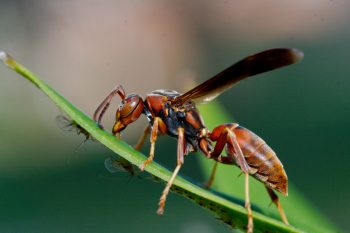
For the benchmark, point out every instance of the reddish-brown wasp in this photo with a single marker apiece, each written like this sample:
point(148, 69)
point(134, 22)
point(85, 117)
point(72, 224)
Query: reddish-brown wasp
point(175, 114)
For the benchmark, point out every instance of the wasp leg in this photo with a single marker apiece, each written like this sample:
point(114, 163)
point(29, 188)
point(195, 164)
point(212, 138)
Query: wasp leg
point(142, 139)
point(223, 135)
point(210, 181)
point(240, 160)
point(102, 108)
point(180, 160)
point(154, 134)
point(275, 200)
point(250, 224)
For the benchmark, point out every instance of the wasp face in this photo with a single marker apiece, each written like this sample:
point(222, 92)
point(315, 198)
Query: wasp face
point(128, 111)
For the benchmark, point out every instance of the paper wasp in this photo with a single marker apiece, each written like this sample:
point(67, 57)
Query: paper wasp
point(175, 114)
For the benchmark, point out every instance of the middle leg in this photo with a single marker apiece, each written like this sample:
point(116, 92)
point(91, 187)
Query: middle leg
point(181, 146)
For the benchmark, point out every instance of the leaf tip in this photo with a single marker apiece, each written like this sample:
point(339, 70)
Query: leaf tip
point(7, 59)
point(3, 56)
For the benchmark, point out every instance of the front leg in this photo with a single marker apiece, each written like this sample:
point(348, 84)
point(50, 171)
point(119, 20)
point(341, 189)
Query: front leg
point(154, 133)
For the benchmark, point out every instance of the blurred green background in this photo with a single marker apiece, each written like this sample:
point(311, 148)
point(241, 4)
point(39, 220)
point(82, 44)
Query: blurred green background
point(84, 48)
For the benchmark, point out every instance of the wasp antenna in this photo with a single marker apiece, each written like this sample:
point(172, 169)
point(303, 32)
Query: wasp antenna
point(102, 108)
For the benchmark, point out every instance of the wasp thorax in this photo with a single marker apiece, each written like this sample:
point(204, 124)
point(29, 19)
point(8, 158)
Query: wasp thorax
point(128, 111)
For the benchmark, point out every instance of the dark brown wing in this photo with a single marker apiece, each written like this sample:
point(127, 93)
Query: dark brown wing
point(249, 66)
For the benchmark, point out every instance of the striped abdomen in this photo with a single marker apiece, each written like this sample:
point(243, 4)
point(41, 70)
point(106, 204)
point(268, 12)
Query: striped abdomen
point(266, 166)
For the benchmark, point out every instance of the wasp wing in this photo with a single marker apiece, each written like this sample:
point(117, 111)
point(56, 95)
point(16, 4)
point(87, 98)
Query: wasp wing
point(249, 66)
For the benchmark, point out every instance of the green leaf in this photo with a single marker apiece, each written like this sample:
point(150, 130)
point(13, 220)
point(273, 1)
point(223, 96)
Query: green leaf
point(228, 209)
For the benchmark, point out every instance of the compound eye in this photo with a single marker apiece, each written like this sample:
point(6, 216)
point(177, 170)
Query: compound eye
point(128, 105)
point(131, 108)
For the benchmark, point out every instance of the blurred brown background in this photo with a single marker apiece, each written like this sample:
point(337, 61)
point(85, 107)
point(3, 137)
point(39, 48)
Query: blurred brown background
point(85, 48)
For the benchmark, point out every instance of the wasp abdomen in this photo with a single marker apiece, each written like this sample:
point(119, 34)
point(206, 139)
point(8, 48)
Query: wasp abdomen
point(267, 167)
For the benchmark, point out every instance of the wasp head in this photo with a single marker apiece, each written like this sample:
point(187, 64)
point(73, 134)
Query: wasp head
point(128, 111)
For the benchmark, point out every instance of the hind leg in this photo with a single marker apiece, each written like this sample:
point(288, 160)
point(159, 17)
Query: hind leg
point(275, 200)
point(250, 224)
point(225, 135)
point(210, 181)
